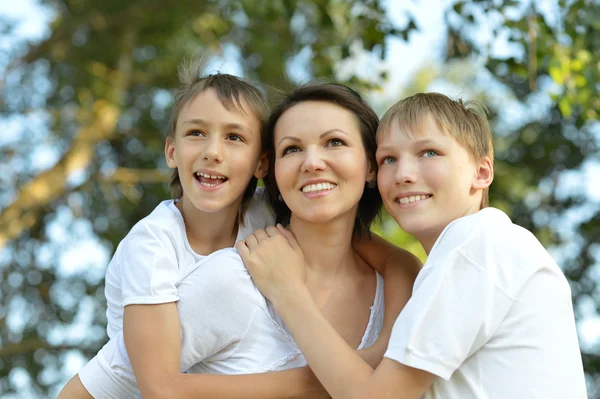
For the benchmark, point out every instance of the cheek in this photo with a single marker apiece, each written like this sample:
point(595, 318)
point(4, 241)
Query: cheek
point(385, 179)
point(184, 152)
point(282, 172)
point(437, 172)
point(354, 164)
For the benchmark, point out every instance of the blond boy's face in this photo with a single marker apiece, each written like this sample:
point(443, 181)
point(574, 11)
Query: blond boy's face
point(427, 179)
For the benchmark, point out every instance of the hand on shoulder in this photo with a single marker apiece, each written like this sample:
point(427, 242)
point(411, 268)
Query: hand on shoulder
point(275, 261)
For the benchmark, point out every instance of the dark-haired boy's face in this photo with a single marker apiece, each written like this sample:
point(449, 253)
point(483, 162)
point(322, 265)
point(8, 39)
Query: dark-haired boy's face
point(427, 180)
point(216, 152)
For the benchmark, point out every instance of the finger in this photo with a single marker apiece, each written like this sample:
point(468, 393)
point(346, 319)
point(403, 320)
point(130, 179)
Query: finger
point(272, 231)
point(251, 242)
point(260, 235)
point(290, 237)
point(242, 250)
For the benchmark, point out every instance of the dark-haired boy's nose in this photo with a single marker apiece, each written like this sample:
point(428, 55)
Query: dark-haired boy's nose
point(214, 150)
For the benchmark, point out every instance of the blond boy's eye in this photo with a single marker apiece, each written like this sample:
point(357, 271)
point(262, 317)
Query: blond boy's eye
point(430, 153)
point(388, 160)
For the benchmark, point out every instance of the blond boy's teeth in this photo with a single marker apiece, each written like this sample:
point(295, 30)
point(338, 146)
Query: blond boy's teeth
point(313, 188)
point(413, 198)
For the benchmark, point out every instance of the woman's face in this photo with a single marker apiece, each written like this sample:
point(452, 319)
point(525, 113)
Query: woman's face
point(320, 163)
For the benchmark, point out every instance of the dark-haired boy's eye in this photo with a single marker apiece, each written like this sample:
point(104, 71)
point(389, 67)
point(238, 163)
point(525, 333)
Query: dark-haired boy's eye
point(235, 137)
point(196, 132)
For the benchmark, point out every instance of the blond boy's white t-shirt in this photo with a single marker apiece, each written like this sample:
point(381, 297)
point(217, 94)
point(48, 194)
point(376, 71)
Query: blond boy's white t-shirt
point(491, 315)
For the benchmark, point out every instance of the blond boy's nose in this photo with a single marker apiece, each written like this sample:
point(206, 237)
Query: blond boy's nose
point(405, 173)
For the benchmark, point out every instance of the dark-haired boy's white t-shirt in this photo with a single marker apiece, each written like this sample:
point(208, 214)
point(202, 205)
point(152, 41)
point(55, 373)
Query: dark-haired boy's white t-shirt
point(155, 256)
point(491, 315)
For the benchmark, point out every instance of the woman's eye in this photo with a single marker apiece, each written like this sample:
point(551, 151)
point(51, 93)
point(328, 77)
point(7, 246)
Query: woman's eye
point(387, 160)
point(290, 149)
point(335, 143)
point(430, 153)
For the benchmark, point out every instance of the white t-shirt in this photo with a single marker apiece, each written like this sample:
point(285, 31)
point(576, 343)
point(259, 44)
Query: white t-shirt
point(227, 327)
point(155, 256)
point(491, 315)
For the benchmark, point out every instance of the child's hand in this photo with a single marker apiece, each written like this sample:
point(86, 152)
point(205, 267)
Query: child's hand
point(275, 262)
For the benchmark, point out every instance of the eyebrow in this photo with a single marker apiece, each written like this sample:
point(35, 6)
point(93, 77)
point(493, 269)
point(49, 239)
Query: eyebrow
point(425, 142)
point(200, 121)
point(417, 143)
point(327, 132)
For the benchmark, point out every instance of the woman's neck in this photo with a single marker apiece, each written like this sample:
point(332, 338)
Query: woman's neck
point(208, 232)
point(327, 247)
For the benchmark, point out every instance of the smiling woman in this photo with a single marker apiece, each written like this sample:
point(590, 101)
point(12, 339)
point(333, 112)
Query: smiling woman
point(323, 134)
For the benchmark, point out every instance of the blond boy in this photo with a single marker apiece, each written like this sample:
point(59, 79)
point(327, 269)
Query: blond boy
point(491, 313)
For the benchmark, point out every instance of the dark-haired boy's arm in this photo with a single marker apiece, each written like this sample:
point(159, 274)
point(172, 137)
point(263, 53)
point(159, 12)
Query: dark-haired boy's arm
point(154, 352)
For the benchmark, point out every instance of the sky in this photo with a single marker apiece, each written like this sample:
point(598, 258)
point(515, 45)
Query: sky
point(403, 60)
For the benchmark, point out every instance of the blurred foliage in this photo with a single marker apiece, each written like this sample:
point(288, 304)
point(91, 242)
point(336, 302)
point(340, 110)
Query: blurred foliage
point(97, 91)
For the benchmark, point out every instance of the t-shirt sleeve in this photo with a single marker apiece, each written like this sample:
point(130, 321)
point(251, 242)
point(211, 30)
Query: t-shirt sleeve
point(149, 266)
point(455, 309)
point(218, 302)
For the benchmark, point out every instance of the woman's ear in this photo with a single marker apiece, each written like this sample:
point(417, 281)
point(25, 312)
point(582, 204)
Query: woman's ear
point(262, 167)
point(371, 171)
point(170, 152)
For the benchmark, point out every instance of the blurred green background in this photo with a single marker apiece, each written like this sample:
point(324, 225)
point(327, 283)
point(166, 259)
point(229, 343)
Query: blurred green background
point(85, 91)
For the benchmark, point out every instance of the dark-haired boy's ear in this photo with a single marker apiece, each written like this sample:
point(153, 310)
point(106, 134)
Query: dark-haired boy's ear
point(484, 174)
point(262, 168)
point(170, 152)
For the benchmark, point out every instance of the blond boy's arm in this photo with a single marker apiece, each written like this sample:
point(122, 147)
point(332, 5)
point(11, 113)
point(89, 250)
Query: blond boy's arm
point(399, 269)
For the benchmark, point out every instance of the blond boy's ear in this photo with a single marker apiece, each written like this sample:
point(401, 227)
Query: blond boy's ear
point(170, 152)
point(484, 174)
point(262, 167)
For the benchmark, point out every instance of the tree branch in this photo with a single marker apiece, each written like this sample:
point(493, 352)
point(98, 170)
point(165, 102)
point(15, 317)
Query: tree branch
point(51, 184)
